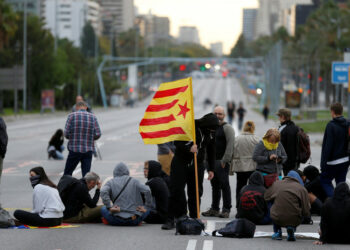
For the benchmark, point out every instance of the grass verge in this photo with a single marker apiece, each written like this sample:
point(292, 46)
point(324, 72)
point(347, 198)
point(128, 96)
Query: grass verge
point(313, 127)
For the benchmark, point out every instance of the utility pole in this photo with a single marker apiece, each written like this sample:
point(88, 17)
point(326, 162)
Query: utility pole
point(56, 28)
point(25, 55)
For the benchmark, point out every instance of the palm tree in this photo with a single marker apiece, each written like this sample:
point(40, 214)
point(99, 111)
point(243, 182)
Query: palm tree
point(7, 23)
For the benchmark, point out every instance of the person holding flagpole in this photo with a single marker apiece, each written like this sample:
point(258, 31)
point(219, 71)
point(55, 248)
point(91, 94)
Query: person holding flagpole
point(183, 170)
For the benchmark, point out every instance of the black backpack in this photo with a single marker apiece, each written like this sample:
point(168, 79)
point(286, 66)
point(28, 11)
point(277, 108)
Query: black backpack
point(238, 228)
point(303, 146)
point(189, 226)
point(66, 184)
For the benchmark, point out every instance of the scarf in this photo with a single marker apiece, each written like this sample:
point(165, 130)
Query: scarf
point(34, 180)
point(270, 146)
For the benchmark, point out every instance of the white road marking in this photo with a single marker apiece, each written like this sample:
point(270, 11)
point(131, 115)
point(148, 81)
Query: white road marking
point(191, 245)
point(210, 226)
point(228, 91)
point(208, 245)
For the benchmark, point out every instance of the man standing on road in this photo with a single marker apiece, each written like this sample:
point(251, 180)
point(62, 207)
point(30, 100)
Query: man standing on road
point(224, 140)
point(183, 169)
point(3, 143)
point(78, 99)
point(334, 156)
point(241, 112)
point(81, 129)
point(289, 140)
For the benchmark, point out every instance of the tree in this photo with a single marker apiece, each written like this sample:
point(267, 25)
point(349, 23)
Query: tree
point(7, 24)
point(88, 40)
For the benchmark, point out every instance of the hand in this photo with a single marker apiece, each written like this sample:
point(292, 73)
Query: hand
point(210, 175)
point(115, 209)
point(223, 165)
point(194, 148)
point(141, 209)
point(273, 157)
point(99, 184)
point(318, 242)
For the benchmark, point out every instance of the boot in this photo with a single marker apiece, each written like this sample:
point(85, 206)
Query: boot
point(211, 213)
point(168, 225)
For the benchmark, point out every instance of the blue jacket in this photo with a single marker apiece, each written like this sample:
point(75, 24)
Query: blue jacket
point(334, 144)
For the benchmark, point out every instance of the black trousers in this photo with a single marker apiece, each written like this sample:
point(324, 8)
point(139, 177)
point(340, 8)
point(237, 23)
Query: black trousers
point(182, 174)
point(220, 184)
point(35, 220)
point(242, 180)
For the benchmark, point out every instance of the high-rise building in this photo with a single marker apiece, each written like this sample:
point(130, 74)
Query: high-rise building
point(188, 34)
point(270, 15)
point(67, 18)
point(33, 6)
point(248, 24)
point(217, 48)
point(117, 15)
point(153, 28)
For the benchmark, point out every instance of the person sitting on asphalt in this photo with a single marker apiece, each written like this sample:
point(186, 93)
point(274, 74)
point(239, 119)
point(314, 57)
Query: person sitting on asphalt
point(290, 204)
point(56, 147)
point(80, 208)
point(335, 217)
point(47, 204)
point(313, 185)
point(252, 205)
point(269, 155)
point(160, 193)
point(121, 196)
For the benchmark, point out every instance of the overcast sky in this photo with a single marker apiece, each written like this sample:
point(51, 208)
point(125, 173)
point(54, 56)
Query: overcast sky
point(216, 20)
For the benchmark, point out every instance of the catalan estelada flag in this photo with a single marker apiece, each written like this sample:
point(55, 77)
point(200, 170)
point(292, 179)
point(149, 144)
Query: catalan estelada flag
point(170, 115)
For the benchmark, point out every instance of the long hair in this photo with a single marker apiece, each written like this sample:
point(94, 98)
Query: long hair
point(43, 177)
point(58, 136)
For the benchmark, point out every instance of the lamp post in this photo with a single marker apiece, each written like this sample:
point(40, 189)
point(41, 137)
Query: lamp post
point(25, 55)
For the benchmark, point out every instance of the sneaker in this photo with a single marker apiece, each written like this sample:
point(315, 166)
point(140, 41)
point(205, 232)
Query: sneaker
point(104, 221)
point(224, 214)
point(211, 213)
point(290, 232)
point(168, 225)
point(277, 236)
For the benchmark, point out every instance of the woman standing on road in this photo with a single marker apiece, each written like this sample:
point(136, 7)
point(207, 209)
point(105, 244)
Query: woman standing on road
point(243, 164)
point(269, 155)
point(47, 204)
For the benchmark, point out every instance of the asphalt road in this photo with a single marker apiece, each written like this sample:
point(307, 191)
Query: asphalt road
point(28, 138)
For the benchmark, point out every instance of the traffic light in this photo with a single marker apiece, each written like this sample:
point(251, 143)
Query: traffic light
point(182, 67)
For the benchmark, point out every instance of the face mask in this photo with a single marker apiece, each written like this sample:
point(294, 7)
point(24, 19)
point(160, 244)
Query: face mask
point(34, 180)
point(269, 145)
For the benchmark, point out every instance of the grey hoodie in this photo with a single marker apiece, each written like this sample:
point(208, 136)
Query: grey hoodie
point(131, 198)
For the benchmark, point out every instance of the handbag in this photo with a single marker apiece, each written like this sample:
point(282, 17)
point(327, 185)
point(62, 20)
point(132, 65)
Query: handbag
point(269, 179)
point(189, 226)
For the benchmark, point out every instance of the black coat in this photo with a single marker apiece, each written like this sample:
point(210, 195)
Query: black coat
point(160, 193)
point(290, 143)
point(77, 197)
point(313, 183)
point(334, 144)
point(335, 217)
point(3, 138)
point(252, 205)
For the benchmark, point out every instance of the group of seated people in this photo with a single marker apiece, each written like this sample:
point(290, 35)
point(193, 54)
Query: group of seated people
point(128, 202)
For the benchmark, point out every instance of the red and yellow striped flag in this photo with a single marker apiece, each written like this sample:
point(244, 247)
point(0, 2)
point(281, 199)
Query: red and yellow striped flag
point(170, 115)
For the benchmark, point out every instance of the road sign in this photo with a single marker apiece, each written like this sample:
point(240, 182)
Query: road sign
point(340, 72)
point(11, 78)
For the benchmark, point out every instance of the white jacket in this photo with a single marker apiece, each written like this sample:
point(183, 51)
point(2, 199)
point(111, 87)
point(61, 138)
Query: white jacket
point(243, 152)
point(47, 202)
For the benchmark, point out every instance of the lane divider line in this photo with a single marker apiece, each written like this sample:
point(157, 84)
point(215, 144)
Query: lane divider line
point(208, 245)
point(191, 245)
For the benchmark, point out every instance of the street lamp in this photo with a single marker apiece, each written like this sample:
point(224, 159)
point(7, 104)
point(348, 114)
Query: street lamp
point(25, 55)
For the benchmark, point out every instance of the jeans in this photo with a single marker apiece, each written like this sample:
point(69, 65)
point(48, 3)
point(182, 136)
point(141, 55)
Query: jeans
point(242, 180)
point(277, 228)
point(74, 158)
point(118, 221)
point(220, 183)
point(240, 123)
point(32, 219)
point(328, 173)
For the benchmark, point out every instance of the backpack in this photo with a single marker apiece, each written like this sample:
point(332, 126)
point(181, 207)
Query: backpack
point(238, 228)
point(5, 219)
point(65, 185)
point(189, 226)
point(303, 146)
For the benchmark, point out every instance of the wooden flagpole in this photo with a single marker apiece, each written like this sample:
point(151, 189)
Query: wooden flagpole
point(195, 154)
